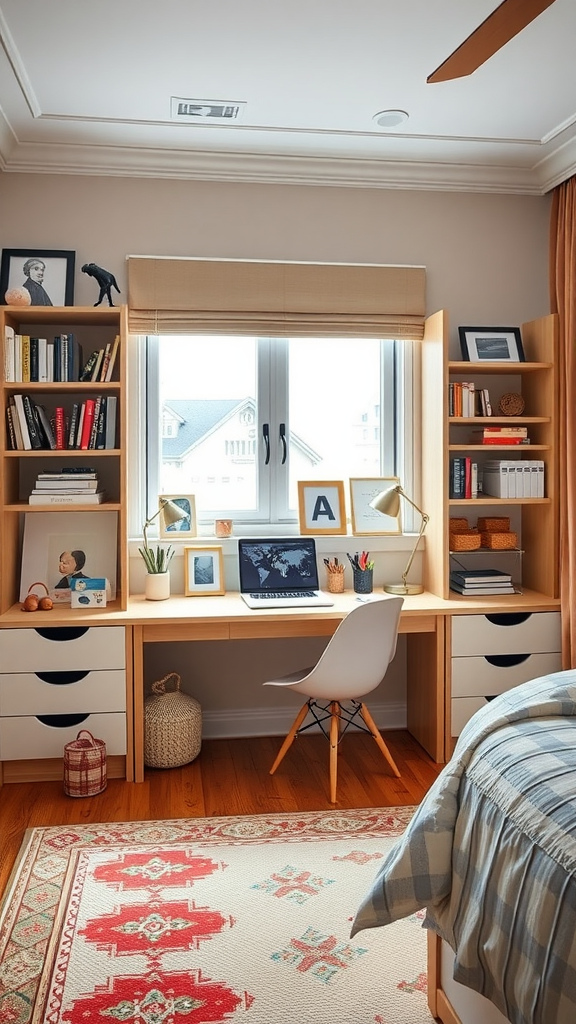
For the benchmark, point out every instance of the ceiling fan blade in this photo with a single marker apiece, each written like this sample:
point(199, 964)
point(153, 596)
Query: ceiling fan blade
point(499, 27)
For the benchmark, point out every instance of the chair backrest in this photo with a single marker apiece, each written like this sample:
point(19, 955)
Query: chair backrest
point(358, 654)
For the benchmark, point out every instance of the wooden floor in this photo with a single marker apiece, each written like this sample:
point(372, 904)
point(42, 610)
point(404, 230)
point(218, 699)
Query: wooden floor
point(229, 777)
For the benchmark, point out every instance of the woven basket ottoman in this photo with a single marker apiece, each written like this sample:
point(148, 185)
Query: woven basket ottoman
point(172, 725)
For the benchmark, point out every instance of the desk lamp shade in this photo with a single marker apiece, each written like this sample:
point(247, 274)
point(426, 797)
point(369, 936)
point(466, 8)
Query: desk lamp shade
point(172, 514)
point(388, 502)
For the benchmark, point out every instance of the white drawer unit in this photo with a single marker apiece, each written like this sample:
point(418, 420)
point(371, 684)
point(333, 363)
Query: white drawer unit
point(46, 736)
point(493, 653)
point(55, 681)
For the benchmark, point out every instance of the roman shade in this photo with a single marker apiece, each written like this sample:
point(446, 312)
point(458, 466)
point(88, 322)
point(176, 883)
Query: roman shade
point(170, 295)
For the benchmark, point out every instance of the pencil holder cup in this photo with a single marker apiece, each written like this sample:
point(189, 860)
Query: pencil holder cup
point(335, 582)
point(363, 581)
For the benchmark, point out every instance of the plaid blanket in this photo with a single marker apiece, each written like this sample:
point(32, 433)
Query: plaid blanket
point(491, 855)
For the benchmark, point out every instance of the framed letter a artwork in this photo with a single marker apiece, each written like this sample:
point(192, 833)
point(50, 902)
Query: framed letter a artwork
point(321, 506)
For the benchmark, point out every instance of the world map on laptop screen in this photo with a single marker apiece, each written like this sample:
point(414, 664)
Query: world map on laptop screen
point(277, 565)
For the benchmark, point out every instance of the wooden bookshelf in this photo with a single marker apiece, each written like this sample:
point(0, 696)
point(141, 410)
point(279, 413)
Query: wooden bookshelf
point(93, 328)
point(444, 436)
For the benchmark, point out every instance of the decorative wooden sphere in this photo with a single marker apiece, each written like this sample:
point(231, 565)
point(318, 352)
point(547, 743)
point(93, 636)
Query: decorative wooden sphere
point(18, 297)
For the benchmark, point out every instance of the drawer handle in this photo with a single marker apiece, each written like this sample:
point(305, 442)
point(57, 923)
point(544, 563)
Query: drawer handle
point(505, 660)
point(62, 721)
point(61, 678)
point(61, 633)
point(508, 618)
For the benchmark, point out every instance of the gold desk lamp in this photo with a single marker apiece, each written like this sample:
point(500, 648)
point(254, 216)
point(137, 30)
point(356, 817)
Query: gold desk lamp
point(388, 502)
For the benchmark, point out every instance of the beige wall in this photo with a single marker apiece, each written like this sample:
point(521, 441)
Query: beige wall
point(486, 255)
point(486, 262)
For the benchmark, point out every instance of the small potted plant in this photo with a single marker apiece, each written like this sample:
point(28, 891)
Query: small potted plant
point(157, 560)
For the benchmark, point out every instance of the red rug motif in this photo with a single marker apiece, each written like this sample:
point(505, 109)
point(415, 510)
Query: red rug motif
point(199, 921)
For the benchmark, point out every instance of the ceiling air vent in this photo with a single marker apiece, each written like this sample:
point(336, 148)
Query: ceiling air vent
point(205, 110)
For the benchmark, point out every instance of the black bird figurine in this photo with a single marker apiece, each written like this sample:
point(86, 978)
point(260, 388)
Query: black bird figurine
point(105, 279)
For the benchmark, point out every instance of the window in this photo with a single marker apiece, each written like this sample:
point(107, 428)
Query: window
point(237, 421)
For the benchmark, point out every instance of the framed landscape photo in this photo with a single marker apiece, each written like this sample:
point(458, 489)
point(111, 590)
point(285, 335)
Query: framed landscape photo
point(184, 527)
point(203, 571)
point(57, 546)
point(366, 520)
point(37, 277)
point(321, 506)
point(491, 344)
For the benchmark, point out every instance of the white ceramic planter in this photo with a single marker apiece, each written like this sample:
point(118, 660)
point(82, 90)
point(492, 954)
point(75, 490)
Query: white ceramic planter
point(157, 586)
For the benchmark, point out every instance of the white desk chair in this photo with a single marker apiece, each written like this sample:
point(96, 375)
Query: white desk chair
point(354, 663)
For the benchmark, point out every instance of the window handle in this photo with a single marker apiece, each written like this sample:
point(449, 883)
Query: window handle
point(283, 440)
point(266, 436)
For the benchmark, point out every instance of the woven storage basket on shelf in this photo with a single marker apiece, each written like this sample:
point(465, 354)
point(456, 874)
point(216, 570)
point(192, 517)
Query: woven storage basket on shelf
point(504, 541)
point(85, 765)
point(172, 725)
point(464, 540)
point(459, 524)
point(493, 524)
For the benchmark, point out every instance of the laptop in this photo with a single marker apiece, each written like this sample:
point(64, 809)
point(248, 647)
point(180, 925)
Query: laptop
point(276, 573)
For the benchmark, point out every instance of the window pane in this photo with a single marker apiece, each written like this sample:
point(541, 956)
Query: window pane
point(335, 403)
point(209, 421)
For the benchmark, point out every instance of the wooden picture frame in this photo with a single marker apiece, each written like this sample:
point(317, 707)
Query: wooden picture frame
point(45, 276)
point(491, 344)
point(367, 521)
point(203, 571)
point(322, 507)
point(185, 527)
point(48, 534)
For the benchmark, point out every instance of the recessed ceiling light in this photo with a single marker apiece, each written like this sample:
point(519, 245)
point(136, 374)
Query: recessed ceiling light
point(390, 118)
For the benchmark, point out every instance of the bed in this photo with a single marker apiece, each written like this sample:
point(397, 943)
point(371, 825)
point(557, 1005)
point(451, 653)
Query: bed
point(491, 855)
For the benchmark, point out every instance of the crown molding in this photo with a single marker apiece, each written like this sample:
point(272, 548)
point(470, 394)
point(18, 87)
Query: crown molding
point(146, 162)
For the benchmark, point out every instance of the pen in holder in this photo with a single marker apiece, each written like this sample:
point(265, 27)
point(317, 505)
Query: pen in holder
point(334, 576)
point(362, 572)
point(363, 581)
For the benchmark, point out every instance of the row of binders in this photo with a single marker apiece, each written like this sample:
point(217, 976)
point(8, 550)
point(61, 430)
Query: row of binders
point(513, 478)
point(465, 399)
point(90, 424)
point(31, 360)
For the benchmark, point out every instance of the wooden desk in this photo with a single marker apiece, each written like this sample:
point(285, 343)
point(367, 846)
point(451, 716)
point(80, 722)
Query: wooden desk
point(425, 619)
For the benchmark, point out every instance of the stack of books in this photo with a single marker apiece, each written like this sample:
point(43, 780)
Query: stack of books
point(73, 485)
point(500, 435)
point(481, 582)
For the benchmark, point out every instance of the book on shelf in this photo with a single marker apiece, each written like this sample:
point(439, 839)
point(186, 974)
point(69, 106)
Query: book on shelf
point(480, 576)
point(110, 433)
point(83, 472)
point(113, 355)
point(485, 591)
point(45, 424)
point(89, 365)
point(16, 423)
point(11, 430)
point(95, 421)
point(98, 365)
point(68, 484)
point(91, 498)
point(105, 361)
point(87, 421)
point(60, 427)
point(25, 346)
point(26, 442)
point(9, 367)
point(73, 424)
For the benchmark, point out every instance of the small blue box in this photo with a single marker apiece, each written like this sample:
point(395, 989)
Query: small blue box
point(88, 593)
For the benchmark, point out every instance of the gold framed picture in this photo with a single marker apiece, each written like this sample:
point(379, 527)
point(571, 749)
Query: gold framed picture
point(203, 571)
point(322, 507)
point(367, 521)
point(184, 527)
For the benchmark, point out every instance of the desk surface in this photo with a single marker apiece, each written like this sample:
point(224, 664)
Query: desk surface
point(179, 610)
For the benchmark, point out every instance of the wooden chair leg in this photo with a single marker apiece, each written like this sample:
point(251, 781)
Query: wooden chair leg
point(376, 734)
point(334, 737)
point(290, 737)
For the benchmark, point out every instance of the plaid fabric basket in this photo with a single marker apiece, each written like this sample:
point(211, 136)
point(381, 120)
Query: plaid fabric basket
point(84, 765)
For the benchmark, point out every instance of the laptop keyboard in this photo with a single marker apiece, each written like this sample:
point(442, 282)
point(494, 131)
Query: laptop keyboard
point(271, 595)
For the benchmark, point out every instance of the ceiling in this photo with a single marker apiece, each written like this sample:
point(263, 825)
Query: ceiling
point(87, 89)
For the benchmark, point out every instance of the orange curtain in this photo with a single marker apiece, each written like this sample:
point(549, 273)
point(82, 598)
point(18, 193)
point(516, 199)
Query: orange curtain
point(563, 302)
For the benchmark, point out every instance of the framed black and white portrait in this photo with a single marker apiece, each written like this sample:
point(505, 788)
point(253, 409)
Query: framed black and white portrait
point(37, 277)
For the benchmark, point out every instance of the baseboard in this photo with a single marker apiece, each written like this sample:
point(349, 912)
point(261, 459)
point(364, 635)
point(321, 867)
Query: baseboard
point(231, 724)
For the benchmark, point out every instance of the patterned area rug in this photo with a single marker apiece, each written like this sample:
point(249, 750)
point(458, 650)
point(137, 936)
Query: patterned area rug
point(243, 919)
